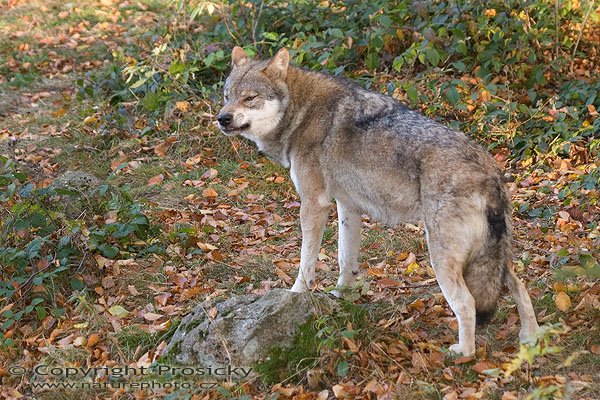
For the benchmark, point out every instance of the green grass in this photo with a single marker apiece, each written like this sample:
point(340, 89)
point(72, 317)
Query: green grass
point(291, 364)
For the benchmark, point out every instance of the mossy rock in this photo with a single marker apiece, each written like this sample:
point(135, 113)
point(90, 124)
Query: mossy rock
point(78, 193)
point(246, 328)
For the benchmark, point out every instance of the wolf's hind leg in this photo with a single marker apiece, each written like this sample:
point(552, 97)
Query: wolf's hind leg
point(449, 274)
point(529, 325)
point(348, 245)
point(313, 216)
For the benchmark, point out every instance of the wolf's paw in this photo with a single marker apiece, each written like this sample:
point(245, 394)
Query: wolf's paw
point(299, 287)
point(529, 335)
point(461, 350)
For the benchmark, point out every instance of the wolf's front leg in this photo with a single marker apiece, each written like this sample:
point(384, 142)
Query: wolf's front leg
point(313, 216)
point(348, 245)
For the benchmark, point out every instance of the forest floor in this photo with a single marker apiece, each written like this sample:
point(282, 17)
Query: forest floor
point(229, 224)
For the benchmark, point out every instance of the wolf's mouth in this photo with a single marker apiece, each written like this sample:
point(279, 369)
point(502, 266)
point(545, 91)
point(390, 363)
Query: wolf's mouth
point(233, 130)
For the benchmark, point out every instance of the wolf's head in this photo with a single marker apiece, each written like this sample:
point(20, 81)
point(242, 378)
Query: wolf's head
point(256, 95)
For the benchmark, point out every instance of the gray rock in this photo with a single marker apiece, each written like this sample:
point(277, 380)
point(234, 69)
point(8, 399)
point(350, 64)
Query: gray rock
point(83, 196)
point(76, 180)
point(245, 328)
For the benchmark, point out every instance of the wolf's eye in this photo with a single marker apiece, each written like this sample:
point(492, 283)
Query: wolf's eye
point(250, 98)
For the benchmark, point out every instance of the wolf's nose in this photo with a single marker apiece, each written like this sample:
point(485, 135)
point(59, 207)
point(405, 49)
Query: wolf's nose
point(225, 119)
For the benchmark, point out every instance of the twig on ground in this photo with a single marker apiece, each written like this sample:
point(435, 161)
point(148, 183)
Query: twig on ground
point(587, 14)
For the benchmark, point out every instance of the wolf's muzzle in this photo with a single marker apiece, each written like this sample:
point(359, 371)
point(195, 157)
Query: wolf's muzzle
point(225, 119)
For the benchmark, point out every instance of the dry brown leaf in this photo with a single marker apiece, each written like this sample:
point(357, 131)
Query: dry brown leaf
point(191, 161)
point(156, 180)
point(206, 246)
point(452, 395)
point(563, 302)
point(350, 344)
point(60, 112)
point(481, 366)
point(6, 308)
point(133, 290)
point(374, 387)
point(216, 256)
point(286, 392)
point(339, 392)
point(183, 106)
point(162, 148)
point(387, 282)
point(209, 193)
point(152, 316)
point(92, 340)
point(462, 360)
point(108, 282)
point(283, 276)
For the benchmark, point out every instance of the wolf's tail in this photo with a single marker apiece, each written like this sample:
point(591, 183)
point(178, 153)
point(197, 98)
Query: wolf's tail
point(486, 269)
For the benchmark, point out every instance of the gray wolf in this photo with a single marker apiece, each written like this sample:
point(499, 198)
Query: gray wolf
point(373, 155)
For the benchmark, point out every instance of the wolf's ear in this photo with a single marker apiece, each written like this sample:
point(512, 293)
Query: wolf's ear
point(278, 66)
point(238, 57)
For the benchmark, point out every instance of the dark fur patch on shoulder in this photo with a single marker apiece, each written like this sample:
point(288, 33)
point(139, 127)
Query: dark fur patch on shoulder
point(365, 121)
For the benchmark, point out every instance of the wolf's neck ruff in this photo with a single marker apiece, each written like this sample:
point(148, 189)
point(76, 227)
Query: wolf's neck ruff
point(303, 120)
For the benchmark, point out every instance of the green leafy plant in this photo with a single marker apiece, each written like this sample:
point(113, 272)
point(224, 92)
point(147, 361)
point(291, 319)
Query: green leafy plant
point(43, 248)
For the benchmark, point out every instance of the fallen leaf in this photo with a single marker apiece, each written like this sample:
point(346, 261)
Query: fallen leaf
point(509, 396)
point(132, 290)
point(93, 339)
point(156, 180)
point(162, 148)
point(66, 341)
point(80, 341)
point(286, 392)
point(209, 193)
point(323, 395)
point(6, 308)
point(412, 267)
point(152, 316)
point(283, 276)
point(374, 387)
point(108, 282)
point(191, 161)
point(481, 366)
point(451, 396)
point(89, 120)
point(183, 106)
point(563, 302)
point(118, 311)
point(59, 113)
point(387, 282)
point(462, 360)
point(339, 392)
